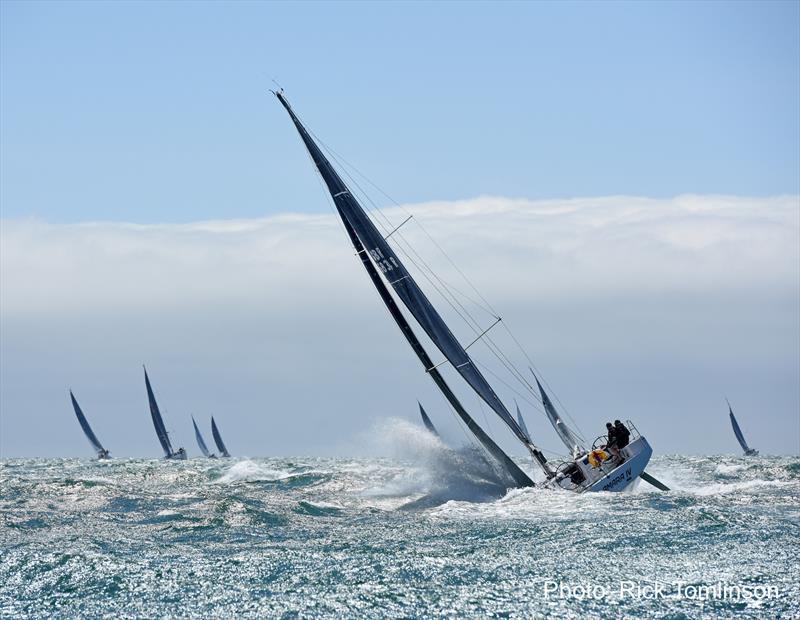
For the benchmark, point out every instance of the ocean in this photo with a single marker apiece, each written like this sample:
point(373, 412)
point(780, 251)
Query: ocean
point(393, 538)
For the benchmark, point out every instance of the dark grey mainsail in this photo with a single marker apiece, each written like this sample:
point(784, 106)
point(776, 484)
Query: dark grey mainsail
point(158, 423)
point(738, 432)
point(218, 438)
point(571, 440)
point(427, 421)
point(412, 296)
point(102, 453)
point(201, 442)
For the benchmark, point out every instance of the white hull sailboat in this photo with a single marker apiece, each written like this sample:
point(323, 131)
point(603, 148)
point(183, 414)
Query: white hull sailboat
point(585, 470)
point(748, 451)
point(158, 424)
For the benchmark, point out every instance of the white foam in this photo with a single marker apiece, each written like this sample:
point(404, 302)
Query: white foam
point(249, 471)
point(726, 470)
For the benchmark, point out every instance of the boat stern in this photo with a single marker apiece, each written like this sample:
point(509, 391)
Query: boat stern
point(620, 476)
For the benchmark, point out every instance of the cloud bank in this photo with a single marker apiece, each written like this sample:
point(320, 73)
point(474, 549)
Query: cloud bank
point(650, 309)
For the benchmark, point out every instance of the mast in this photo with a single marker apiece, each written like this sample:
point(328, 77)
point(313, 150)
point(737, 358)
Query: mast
point(158, 422)
point(87, 430)
point(400, 279)
point(520, 477)
point(373, 248)
point(218, 438)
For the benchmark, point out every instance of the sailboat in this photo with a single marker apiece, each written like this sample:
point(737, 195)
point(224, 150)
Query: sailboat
point(158, 423)
point(223, 451)
point(102, 453)
point(748, 451)
point(384, 267)
point(427, 421)
point(201, 442)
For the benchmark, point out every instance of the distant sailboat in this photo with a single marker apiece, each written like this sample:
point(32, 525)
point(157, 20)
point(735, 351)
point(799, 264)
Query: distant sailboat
point(378, 257)
point(158, 423)
point(427, 421)
point(102, 453)
point(748, 451)
point(223, 451)
point(521, 422)
point(201, 442)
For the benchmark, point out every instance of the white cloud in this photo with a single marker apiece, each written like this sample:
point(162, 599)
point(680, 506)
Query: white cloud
point(278, 310)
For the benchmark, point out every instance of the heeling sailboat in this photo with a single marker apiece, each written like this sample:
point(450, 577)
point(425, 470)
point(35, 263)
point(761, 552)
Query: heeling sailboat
point(223, 451)
point(748, 451)
point(102, 453)
point(158, 423)
point(201, 442)
point(427, 421)
point(376, 254)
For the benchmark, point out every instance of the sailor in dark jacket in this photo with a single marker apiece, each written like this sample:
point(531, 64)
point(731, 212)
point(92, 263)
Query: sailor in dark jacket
point(622, 433)
point(612, 436)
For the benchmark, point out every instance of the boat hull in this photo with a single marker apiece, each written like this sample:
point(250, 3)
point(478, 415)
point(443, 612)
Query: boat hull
point(610, 475)
point(625, 476)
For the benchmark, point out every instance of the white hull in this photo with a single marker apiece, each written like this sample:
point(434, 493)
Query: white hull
point(637, 455)
point(611, 475)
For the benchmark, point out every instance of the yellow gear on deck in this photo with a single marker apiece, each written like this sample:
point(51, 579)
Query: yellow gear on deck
point(596, 457)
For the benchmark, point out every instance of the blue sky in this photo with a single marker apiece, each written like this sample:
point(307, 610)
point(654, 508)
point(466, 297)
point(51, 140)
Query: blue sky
point(621, 180)
point(151, 112)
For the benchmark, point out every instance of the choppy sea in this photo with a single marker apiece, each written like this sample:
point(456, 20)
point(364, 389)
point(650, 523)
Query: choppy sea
point(389, 538)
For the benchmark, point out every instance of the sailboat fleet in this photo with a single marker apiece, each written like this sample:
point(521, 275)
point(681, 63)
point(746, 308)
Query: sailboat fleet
point(608, 464)
point(160, 428)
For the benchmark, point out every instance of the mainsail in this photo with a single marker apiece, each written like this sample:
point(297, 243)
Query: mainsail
point(218, 438)
point(427, 421)
point(571, 440)
point(520, 477)
point(406, 288)
point(736, 430)
point(158, 422)
point(87, 430)
point(200, 442)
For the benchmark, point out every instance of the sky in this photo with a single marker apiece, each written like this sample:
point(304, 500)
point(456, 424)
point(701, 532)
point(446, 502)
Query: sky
point(621, 180)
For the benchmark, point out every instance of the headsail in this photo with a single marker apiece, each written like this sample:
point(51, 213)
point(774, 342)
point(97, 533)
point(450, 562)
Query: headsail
point(406, 288)
point(200, 442)
point(158, 422)
point(736, 430)
point(87, 430)
point(218, 438)
point(573, 443)
point(427, 421)
point(521, 422)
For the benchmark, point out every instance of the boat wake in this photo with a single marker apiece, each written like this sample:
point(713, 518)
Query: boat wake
point(436, 473)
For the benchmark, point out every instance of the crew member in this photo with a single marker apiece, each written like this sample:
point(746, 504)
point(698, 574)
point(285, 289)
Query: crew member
point(623, 434)
point(611, 442)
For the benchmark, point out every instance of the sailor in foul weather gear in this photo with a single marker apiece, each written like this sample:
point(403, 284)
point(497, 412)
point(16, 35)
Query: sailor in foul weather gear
point(623, 434)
